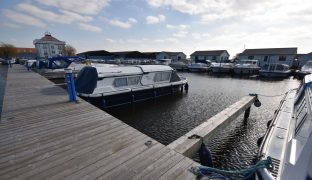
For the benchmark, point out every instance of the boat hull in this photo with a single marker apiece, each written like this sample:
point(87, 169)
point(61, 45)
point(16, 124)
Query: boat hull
point(274, 74)
point(132, 96)
point(221, 70)
point(246, 71)
point(198, 69)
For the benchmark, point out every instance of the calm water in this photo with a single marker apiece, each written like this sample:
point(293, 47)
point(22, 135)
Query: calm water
point(3, 75)
point(170, 117)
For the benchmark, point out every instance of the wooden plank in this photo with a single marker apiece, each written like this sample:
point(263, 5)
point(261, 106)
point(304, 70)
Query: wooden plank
point(60, 159)
point(44, 147)
point(189, 147)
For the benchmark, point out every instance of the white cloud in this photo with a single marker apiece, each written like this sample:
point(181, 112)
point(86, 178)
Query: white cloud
point(78, 6)
point(155, 19)
point(126, 25)
point(132, 20)
point(24, 19)
point(177, 27)
point(89, 27)
point(166, 40)
point(66, 17)
point(196, 35)
point(110, 40)
point(180, 34)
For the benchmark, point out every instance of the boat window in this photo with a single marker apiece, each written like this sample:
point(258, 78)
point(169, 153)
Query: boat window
point(301, 113)
point(119, 82)
point(162, 76)
point(133, 80)
point(279, 67)
point(59, 64)
point(174, 77)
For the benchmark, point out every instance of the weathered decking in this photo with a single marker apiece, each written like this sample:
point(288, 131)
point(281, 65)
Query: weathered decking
point(45, 136)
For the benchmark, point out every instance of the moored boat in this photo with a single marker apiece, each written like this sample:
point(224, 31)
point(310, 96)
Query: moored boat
point(288, 139)
point(198, 67)
point(247, 67)
point(275, 70)
point(223, 67)
point(179, 66)
point(306, 69)
point(114, 86)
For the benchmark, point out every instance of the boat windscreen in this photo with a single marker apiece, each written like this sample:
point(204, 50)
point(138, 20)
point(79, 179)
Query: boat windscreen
point(174, 77)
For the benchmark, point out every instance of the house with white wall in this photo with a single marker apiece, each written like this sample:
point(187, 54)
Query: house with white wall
point(271, 55)
point(48, 46)
point(212, 55)
point(174, 56)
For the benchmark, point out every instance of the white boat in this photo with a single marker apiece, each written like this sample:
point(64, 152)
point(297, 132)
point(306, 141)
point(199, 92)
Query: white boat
point(113, 86)
point(198, 67)
point(275, 70)
point(163, 61)
point(179, 66)
point(222, 67)
point(306, 69)
point(288, 139)
point(247, 67)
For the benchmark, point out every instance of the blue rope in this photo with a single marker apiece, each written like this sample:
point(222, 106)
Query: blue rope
point(213, 173)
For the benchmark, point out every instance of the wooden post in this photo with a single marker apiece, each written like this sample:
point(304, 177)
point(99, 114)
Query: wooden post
point(247, 112)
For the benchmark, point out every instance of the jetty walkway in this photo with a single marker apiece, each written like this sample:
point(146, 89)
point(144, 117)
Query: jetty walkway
point(44, 136)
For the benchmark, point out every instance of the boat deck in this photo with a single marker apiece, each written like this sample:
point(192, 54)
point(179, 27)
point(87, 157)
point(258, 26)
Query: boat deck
point(43, 136)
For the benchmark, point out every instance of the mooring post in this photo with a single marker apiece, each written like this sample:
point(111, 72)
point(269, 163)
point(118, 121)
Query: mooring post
point(70, 85)
point(247, 112)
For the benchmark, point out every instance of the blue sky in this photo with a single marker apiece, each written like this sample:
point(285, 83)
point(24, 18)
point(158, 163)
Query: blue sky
point(160, 25)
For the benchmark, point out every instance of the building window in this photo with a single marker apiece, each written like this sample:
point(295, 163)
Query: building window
point(44, 46)
point(266, 58)
point(52, 47)
point(53, 52)
point(250, 57)
point(282, 58)
point(60, 47)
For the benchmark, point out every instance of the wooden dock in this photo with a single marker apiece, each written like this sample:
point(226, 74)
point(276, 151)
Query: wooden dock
point(43, 136)
point(190, 143)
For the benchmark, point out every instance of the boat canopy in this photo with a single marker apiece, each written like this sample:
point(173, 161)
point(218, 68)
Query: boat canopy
point(130, 70)
point(59, 62)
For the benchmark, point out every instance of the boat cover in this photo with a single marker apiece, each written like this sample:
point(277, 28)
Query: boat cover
point(86, 80)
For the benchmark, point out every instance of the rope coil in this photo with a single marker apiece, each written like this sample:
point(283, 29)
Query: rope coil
point(214, 173)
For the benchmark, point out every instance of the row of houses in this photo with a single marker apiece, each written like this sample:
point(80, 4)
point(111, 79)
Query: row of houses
point(126, 55)
point(287, 56)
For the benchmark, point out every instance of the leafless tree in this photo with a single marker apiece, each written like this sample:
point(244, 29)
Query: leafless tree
point(70, 50)
point(7, 50)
